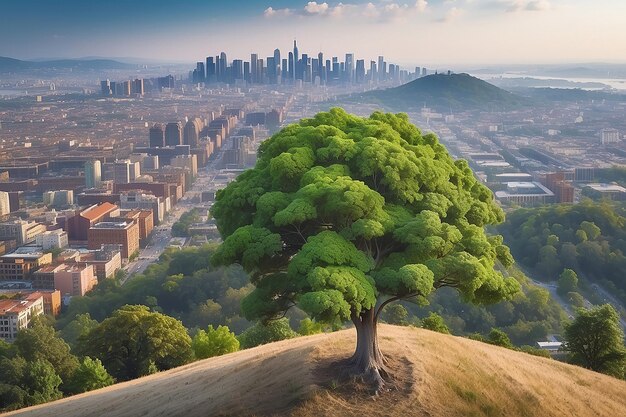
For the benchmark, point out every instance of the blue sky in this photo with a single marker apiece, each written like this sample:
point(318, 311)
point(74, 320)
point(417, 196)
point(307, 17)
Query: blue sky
point(428, 32)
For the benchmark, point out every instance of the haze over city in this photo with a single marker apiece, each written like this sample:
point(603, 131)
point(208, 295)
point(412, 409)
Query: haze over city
point(468, 32)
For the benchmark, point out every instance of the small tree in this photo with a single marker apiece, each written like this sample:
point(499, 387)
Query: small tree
point(568, 282)
point(89, 376)
point(261, 333)
point(396, 314)
point(499, 338)
point(595, 340)
point(344, 215)
point(214, 342)
point(435, 323)
point(309, 327)
point(134, 341)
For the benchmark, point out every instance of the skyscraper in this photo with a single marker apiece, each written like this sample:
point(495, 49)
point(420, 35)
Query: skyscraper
point(173, 134)
point(381, 68)
point(277, 62)
point(349, 70)
point(210, 69)
point(254, 62)
point(272, 70)
point(320, 66)
point(223, 65)
point(359, 76)
point(292, 69)
point(200, 71)
point(121, 171)
point(192, 130)
point(296, 57)
point(157, 136)
point(93, 174)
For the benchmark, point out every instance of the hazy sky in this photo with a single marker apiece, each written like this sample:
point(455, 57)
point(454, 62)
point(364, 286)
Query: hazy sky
point(427, 32)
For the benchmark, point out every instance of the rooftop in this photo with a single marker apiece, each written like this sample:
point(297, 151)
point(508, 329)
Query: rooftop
point(96, 212)
point(17, 306)
point(111, 225)
point(607, 188)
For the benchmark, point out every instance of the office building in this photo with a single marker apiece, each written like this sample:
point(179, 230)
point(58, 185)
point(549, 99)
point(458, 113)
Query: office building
point(22, 231)
point(192, 132)
point(74, 279)
point(77, 226)
point(157, 136)
point(93, 174)
point(173, 134)
point(21, 266)
point(125, 234)
point(52, 239)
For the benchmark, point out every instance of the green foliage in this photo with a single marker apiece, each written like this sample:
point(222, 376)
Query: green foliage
point(435, 323)
point(591, 242)
point(568, 282)
point(27, 382)
point(595, 340)
point(79, 327)
point(575, 299)
point(89, 376)
point(395, 314)
point(181, 285)
point(214, 342)
point(499, 338)
point(535, 351)
point(41, 343)
point(181, 227)
point(309, 327)
point(134, 340)
point(341, 210)
point(260, 333)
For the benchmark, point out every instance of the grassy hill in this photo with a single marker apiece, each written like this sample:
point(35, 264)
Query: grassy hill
point(438, 375)
point(447, 92)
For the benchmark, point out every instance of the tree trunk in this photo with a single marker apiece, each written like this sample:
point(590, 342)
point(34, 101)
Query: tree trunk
point(368, 363)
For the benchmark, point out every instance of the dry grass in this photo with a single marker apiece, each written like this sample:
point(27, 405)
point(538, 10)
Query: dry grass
point(438, 375)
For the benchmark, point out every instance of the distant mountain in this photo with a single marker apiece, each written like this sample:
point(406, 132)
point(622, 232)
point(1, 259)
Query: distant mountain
point(16, 65)
point(447, 92)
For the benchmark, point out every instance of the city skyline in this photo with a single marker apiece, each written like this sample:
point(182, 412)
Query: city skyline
point(410, 32)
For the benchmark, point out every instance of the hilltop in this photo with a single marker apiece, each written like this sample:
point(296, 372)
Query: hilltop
point(447, 92)
point(440, 375)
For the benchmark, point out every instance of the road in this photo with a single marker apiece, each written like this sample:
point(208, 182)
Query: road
point(162, 234)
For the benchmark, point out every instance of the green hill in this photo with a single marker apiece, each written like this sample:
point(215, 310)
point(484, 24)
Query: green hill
point(447, 92)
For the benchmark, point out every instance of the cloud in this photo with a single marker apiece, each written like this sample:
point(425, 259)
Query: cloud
point(452, 14)
point(526, 5)
point(383, 10)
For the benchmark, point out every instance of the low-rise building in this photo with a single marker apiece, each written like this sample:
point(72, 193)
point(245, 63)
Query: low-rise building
point(74, 279)
point(21, 266)
point(106, 261)
point(125, 234)
point(21, 231)
point(16, 315)
point(52, 239)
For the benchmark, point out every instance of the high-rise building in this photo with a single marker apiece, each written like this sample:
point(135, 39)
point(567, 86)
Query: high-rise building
point(121, 171)
point(237, 69)
point(381, 68)
point(246, 71)
point(272, 70)
point(349, 74)
point(5, 207)
point(359, 76)
point(173, 134)
point(200, 71)
point(192, 130)
point(292, 69)
point(105, 88)
point(277, 62)
point(93, 174)
point(210, 69)
point(254, 62)
point(157, 136)
point(320, 66)
point(296, 58)
point(223, 66)
point(138, 87)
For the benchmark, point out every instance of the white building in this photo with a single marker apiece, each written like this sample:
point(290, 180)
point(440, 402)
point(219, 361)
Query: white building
point(609, 136)
point(52, 239)
point(5, 208)
point(60, 198)
point(16, 315)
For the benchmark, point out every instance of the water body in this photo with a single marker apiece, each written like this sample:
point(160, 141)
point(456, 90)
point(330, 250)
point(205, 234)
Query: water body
point(615, 83)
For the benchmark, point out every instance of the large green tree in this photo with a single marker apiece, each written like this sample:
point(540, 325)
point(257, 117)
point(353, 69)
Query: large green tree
point(595, 340)
point(343, 215)
point(135, 341)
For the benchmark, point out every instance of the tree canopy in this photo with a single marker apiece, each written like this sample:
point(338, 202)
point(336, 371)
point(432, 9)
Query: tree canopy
point(135, 341)
point(595, 340)
point(342, 215)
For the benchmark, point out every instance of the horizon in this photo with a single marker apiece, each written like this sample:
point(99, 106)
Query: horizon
point(427, 33)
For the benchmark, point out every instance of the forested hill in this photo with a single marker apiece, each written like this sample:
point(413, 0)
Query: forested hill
point(447, 92)
point(436, 375)
point(16, 65)
point(588, 238)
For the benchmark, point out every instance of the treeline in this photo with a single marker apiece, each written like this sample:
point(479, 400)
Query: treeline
point(181, 227)
point(588, 238)
point(526, 319)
